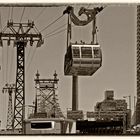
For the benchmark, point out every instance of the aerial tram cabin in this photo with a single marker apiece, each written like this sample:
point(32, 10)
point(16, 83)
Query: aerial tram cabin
point(82, 59)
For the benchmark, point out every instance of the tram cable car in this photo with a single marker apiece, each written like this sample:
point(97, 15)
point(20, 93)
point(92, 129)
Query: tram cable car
point(82, 59)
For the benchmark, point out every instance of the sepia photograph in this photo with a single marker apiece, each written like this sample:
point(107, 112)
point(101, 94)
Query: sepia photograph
point(69, 69)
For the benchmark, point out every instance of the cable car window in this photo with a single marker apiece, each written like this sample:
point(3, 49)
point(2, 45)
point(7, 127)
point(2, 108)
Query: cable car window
point(96, 53)
point(41, 125)
point(76, 52)
point(86, 52)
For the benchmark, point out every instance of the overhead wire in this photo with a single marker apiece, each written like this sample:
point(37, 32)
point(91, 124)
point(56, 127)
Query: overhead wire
point(45, 35)
point(8, 13)
point(39, 13)
point(12, 13)
point(22, 14)
point(56, 33)
point(29, 12)
point(11, 65)
point(3, 65)
point(7, 53)
point(53, 33)
point(36, 29)
point(62, 26)
point(32, 47)
point(28, 66)
point(0, 21)
point(88, 6)
point(12, 52)
point(51, 23)
point(28, 53)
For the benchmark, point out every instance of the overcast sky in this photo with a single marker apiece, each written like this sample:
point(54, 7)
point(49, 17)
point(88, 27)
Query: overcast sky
point(116, 35)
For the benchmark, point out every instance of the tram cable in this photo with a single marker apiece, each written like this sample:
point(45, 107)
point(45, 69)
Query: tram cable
point(29, 53)
point(62, 26)
point(56, 33)
point(88, 6)
point(12, 13)
point(53, 33)
point(51, 23)
point(7, 61)
point(28, 66)
point(11, 64)
point(3, 66)
point(22, 14)
point(0, 21)
point(40, 13)
point(8, 13)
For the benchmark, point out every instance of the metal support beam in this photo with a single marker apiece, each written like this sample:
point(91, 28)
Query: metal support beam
point(9, 88)
point(19, 104)
point(20, 34)
point(10, 113)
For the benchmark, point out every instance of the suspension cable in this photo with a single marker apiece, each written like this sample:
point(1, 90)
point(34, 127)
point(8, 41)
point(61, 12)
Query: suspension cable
point(3, 66)
point(7, 64)
point(51, 23)
point(39, 13)
point(56, 33)
point(55, 30)
point(8, 13)
point(88, 6)
point(28, 53)
point(11, 64)
point(28, 66)
point(51, 33)
point(0, 22)
point(22, 14)
point(12, 13)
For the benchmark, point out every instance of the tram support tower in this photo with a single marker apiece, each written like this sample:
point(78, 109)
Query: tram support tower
point(10, 89)
point(74, 93)
point(20, 34)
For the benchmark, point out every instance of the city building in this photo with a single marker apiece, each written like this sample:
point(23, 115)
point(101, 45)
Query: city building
point(138, 67)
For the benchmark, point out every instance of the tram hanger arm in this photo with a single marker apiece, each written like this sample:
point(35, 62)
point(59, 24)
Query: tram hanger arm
point(90, 13)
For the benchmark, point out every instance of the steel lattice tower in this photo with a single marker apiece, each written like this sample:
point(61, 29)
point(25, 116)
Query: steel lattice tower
point(138, 67)
point(10, 89)
point(46, 97)
point(20, 34)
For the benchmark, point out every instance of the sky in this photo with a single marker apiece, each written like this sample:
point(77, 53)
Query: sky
point(116, 34)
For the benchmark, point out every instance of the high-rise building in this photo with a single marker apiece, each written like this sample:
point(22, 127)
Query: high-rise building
point(138, 67)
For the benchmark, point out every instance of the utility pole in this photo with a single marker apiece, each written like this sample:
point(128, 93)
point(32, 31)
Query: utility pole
point(10, 89)
point(20, 34)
